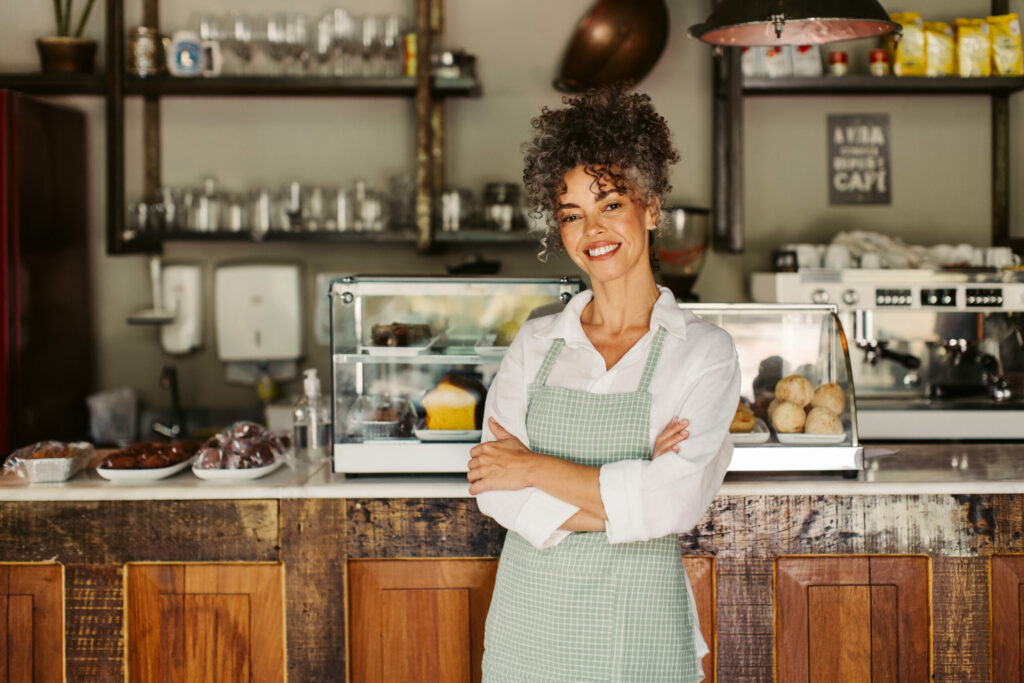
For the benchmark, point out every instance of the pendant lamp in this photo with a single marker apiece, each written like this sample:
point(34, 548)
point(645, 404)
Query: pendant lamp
point(792, 22)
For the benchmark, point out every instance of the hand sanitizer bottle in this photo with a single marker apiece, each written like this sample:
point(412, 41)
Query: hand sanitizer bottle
point(311, 421)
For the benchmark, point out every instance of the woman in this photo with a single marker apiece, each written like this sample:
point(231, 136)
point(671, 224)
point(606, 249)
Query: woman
point(586, 457)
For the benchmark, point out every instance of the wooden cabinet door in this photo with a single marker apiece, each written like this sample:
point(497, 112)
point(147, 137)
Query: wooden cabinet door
point(221, 623)
point(31, 623)
point(1007, 595)
point(852, 619)
point(701, 571)
point(418, 620)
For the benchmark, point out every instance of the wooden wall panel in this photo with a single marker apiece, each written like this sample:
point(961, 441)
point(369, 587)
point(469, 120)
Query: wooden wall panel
point(1007, 622)
point(32, 623)
point(445, 585)
point(852, 618)
point(313, 549)
point(215, 622)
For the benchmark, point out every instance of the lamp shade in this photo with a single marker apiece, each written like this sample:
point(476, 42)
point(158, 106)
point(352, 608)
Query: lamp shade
point(792, 22)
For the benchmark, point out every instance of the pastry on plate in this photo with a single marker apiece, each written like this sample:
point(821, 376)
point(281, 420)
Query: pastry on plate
point(795, 389)
point(456, 402)
point(823, 421)
point(831, 397)
point(742, 422)
point(788, 417)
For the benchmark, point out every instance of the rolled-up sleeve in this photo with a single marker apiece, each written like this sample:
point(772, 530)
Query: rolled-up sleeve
point(646, 499)
point(530, 512)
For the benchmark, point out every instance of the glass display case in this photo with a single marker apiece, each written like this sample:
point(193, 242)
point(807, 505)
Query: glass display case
point(411, 360)
point(797, 399)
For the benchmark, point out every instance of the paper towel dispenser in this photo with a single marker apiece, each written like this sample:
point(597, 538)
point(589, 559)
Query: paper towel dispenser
point(258, 312)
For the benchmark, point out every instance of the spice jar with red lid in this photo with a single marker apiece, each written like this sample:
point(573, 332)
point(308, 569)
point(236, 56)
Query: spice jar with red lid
point(838, 63)
point(879, 63)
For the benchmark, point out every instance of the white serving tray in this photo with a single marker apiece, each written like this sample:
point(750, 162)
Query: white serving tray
point(142, 474)
point(237, 475)
point(759, 434)
point(810, 439)
point(448, 434)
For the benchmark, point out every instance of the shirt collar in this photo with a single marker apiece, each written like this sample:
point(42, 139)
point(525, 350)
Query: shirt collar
point(566, 325)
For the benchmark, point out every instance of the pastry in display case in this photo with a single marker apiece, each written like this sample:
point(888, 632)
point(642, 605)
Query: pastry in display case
point(412, 358)
point(796, 408)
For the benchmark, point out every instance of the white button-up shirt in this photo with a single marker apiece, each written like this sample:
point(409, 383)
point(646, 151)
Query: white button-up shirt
point(697, 378)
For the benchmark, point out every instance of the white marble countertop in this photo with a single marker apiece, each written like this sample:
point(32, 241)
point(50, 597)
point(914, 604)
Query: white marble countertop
point(900, 469)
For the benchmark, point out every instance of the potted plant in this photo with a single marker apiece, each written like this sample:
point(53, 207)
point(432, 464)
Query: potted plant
point(68, 51)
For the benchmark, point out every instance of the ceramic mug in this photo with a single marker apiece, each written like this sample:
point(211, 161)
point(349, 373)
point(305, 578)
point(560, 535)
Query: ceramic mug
point(871, 260)
point(1001, 257)
point(837, 256)
point(807, 255)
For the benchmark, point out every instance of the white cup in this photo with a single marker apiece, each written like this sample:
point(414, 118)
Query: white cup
point(807, 255)
point(837, 256)
point(1001, 257)
point(871, 260)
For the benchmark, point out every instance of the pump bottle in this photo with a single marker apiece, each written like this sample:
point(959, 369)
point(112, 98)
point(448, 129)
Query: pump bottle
point(311, 421)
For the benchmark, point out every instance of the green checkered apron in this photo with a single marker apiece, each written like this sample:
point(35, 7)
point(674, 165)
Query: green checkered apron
point(587, 610)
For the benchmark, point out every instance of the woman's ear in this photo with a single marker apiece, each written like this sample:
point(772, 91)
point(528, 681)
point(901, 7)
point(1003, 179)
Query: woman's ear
point(653, 213)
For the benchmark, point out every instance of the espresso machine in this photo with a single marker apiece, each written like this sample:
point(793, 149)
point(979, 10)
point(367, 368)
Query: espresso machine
point(934, 354)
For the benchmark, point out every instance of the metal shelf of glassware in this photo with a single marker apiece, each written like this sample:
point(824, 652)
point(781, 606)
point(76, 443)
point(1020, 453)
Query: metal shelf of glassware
point(882, 85)
point(404, 86)
point(390, 236)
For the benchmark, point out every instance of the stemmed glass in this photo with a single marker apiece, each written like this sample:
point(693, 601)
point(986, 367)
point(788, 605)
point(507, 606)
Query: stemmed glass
point(373, 46)
point(347, 44)
point(239, 39)
point(323, 45)
point(276, 44)
point(297, 38)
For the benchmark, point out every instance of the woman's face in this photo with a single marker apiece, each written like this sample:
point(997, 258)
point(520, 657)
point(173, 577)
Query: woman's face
point(604, 232)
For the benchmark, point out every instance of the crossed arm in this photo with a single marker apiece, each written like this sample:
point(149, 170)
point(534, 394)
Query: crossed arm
point(505, 464)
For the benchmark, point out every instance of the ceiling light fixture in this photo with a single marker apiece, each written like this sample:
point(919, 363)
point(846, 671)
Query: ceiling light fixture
point(792, 22)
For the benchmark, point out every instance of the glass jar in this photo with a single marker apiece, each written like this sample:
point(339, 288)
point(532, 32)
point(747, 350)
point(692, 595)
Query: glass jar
point(838, 63)
point(879, 63)
point(145, 54)
point(501, 206)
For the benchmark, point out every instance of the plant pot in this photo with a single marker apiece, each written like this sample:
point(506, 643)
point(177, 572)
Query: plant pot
point(66, 54)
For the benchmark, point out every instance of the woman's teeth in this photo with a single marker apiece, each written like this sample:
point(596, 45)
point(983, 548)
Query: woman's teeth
point(601, 251)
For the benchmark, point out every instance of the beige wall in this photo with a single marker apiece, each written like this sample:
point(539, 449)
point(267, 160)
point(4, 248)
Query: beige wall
point(940, 159)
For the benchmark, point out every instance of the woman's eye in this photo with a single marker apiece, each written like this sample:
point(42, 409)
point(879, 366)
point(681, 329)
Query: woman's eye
point(570, 218)
point(611, 206)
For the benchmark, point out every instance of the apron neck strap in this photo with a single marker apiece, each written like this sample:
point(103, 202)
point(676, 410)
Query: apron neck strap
point(549, 362)
point(645, 378)
point(652, 359)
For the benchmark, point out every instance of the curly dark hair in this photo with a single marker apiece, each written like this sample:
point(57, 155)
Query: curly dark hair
point(615, 134)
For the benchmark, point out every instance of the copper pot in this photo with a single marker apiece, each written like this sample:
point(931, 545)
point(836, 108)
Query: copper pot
point(66, 54)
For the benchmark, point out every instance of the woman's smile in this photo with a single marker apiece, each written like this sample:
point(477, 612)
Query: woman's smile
point(602, 251)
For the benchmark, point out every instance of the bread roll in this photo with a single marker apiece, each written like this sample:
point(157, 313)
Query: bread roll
point(831, 397)
point(772, 406)
point(795, 389)
point(823, 421)
point(743, 421)
point(788, 417)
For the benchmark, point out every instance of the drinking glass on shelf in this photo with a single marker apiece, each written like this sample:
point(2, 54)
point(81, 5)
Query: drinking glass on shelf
point(276, 44)
point(391, 46)
point(323, 45)
point(239, 40)
point(347, 43)
point(373, 46)
point(262, 203)
point(236, 214)
point(297, 32)
point(211, 26)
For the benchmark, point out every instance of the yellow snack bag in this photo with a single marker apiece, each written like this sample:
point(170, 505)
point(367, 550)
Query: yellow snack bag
point(940, 48)
point(907, 54)
point(973, 47)
point(1006, 49)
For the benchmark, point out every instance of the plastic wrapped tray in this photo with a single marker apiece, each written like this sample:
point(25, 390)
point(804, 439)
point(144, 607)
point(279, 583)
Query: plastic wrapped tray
point(49, 462)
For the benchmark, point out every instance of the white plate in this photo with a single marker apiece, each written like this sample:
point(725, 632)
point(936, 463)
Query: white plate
point(485, 346)
point(447, 434)
point(810, 439)
point(142, 473)
point(759, 434)
point(237, 475)
point(422, 346)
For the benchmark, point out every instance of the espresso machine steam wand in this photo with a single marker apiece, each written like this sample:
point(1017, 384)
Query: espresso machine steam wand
point(864, 337)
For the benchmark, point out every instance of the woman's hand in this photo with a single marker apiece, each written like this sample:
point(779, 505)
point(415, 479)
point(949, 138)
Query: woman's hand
point(501, 465)
point(674, 434)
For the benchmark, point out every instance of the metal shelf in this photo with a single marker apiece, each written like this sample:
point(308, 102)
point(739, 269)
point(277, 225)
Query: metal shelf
point(273, 86)
point(390, 236)
point(424, 358)
point(882, 85)
point(54, 83)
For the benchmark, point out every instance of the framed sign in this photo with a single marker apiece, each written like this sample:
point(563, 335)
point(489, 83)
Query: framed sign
point(858, 159)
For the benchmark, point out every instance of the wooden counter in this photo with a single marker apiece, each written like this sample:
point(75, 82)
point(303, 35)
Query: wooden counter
point(879, 566)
